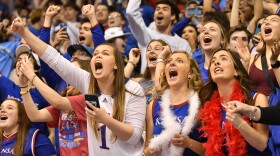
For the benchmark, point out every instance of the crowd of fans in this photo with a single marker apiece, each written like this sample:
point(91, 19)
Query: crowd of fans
point(182, 77)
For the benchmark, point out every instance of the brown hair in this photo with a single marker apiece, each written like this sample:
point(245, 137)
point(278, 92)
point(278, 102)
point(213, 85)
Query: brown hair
point(119, 87)
point(23, 125)
point(147, 73)
point(240, 28)
point(223, 33)
point(246, 85)
point(195, 83)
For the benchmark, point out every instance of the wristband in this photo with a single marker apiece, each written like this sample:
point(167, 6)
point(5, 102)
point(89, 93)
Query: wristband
point(275, 65)
point(159, 60)
point(23, 87)
point(25, 92)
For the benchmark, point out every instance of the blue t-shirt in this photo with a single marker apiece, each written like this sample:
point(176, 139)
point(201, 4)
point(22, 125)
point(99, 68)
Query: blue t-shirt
point(7, 56)
point(180, 111)
point(204, 72)
point(9, 89)
point(198, 56)
point(42, 145)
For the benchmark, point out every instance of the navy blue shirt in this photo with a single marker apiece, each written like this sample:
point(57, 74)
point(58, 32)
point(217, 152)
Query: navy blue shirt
point(9, 89)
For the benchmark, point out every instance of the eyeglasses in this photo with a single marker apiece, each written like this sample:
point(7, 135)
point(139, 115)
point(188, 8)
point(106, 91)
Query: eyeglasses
point(113, 16)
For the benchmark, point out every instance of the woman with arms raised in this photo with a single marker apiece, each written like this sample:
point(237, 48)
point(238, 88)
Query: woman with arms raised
point(64, 113)
point(116, 127)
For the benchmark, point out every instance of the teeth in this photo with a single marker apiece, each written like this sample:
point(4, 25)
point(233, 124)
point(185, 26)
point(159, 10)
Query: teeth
point(218, 70)
point(98, 71)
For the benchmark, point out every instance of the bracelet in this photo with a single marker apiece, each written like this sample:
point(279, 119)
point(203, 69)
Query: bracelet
point(25, 92)
point(33, 79)
point(252, 115)
point(23, 87)
point(134, 65)
point(240, 126)
point(143, 154)
point(159, 60)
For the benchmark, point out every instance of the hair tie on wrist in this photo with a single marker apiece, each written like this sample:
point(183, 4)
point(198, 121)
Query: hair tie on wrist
point(23, 87)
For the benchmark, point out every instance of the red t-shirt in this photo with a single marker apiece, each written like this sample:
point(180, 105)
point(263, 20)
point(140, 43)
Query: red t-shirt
point(72, 127)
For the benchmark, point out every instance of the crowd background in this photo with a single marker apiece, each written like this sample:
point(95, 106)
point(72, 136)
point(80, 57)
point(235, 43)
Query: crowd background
point(152, 38)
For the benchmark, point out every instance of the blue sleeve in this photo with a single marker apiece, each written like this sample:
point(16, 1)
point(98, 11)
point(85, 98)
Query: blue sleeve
point(8, 89)
point(52, 78)
point(45, 35)
point(97, 35)
point(43, 145)
point(179, 26)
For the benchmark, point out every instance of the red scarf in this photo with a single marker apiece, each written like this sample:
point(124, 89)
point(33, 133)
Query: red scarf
point(211, 119)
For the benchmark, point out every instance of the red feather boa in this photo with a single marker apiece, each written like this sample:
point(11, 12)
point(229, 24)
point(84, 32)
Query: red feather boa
point(211, 117)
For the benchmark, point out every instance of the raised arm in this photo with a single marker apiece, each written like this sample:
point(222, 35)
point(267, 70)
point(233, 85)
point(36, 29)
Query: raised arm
point(35, 43)
point(71, 74)
point(49, 94)
point(275, 59)
point(160, 66)
point(270, 8)
point(97, 33)
point(234, 13)
point(258, 14)
point(31, 109)
point(134, 57)
point(207, 6)
point(136, 22)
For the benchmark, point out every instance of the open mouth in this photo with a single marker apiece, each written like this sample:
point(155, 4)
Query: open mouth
point(267, 30)
point(159, 17)
point(3, 117)
point(98, 66)
point(82, 39)
point(112, 22)
point(152, 58)
point(173, 73)
point(207, 39)
point(218, 70)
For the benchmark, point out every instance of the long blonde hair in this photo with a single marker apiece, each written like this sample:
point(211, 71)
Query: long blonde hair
point(23, 125)
point(119, 88)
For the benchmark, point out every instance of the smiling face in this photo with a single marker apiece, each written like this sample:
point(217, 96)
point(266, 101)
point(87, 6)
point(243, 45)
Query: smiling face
point(270, 29)
point(9, 116)
point(85, 35)
point(211, 37)
point(177, 70)
point(222, 66)
point(153, 50)
point(103, 62)
point(162, 16)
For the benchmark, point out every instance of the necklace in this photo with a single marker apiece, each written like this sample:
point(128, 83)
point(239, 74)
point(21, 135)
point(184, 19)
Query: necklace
point(7, 136)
